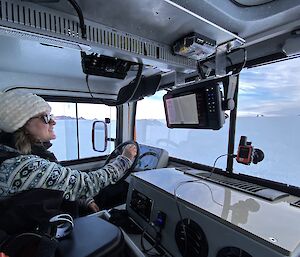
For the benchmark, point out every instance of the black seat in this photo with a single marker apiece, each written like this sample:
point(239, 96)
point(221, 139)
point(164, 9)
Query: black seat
point(93, 237)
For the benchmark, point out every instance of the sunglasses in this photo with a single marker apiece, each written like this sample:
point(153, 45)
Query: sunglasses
point(46, 118)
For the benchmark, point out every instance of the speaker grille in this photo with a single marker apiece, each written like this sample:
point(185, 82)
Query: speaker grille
point(190, 238)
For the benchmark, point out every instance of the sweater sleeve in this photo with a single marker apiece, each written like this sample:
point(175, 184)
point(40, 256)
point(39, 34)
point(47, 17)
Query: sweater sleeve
point(35, 172)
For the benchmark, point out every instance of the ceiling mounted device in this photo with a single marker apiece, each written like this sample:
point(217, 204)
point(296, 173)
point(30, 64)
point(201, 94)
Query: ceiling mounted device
point(195, 46)
point(207, 41)
point(106, 66)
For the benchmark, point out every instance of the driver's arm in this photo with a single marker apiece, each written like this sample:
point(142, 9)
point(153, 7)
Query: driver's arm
point(35, 172)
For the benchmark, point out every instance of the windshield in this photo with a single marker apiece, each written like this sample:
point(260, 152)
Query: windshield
point(268, 114)
point(195, 145)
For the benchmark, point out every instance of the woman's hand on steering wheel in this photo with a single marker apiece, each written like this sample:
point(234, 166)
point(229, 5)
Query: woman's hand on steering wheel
point(130, 151)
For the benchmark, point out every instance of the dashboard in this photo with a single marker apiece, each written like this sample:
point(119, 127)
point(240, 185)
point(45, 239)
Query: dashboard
point(196, 217)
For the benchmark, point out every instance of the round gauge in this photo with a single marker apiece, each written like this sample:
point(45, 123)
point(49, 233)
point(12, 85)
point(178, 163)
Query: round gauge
point(147, 161)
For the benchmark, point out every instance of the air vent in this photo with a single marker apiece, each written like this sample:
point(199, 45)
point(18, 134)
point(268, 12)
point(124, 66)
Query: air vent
point(190, 239)
point(45, 21)
point(243, 186)
point(233, 183)
point(296, 204)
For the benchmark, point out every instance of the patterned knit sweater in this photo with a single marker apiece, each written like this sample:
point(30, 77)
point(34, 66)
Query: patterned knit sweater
point(30, 171)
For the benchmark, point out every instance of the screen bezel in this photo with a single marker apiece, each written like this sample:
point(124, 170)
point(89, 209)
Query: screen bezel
point(198, 88)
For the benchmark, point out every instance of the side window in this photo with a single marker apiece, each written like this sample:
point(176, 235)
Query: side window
point(74, 129)
point(65, 145)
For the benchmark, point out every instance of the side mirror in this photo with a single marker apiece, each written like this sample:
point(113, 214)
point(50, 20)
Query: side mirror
point(99, 136)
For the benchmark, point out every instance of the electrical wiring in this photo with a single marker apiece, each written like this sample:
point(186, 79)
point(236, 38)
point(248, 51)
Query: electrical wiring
point(198, 181)
point(156, 242)
point(88, 86)
point(179, 211)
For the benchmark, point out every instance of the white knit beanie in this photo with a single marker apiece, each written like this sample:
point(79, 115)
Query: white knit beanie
point(16, 109)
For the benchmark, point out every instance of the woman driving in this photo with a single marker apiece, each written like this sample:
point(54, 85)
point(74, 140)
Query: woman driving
point(25, 124)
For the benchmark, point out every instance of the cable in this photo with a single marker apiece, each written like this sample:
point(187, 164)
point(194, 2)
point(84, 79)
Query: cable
point(203, 61)
point(178, 208)
point(179, 212)
point(88, 86)
point(244, 62)
point(157, 240)
point(215, 162)
point(249, 5)
point(136, 82)
point(199, 181)
point(209, 58)
point(80, 16)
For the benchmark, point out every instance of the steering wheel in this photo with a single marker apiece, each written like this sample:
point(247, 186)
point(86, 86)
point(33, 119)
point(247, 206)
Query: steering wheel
point(118, 151)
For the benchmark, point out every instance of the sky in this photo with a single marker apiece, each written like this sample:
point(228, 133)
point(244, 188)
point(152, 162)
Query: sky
point(272, 90)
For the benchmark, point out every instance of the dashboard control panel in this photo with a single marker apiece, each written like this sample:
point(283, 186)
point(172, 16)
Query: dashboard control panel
point(141, 204)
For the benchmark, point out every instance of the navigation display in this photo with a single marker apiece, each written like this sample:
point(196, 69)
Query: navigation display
point(182, 110)
point(197, 107)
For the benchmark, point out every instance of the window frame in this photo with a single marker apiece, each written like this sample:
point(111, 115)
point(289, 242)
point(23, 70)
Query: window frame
point(76, 101)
